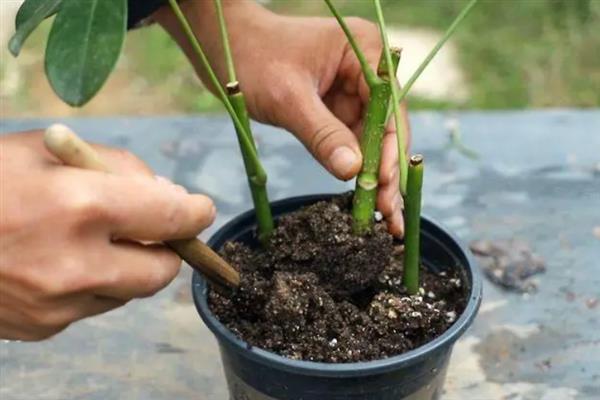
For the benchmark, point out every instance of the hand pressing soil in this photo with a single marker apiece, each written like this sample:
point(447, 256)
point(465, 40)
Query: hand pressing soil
point(319, 293)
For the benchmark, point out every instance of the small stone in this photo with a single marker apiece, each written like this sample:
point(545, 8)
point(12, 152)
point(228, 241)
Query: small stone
point(415, 314)
point(392, 314)
point(333, 342)
point(591, 303)
point(451, 316)
point(431, 295)
point(421, 291)
point(456, 282)
point(378, 216)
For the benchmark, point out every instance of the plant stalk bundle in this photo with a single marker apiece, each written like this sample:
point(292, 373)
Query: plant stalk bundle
point(235, 104)
point(383, 86)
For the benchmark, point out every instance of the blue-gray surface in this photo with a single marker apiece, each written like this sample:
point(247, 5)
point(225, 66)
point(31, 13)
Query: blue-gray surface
point(537, 179)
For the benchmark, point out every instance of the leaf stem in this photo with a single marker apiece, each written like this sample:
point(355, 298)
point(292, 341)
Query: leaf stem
point(370, 76)
point(412, 221)
point(465, 11)
point(400, 127)
point(367, 182)
point(260, 198)
point(225, 41)
point(260, 177)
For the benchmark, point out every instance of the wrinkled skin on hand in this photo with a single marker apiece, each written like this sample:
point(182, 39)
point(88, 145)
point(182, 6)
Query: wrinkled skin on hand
point(300, 74)
point(76, 243)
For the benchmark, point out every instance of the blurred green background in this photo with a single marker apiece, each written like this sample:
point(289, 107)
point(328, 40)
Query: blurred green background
point(508, 54)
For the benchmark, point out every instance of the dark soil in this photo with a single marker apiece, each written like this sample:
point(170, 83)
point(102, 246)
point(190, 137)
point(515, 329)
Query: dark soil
point(319, 293)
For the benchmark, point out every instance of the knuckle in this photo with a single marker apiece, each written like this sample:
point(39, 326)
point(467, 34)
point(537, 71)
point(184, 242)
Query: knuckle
point(85, 205)
point(161, 274)
point(319, 142)
point(282, 93)
point(131, 161)
point(207, 213)
point(64, 276)
point(175, 214)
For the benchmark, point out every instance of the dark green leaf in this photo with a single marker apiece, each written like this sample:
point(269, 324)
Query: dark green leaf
point(84, 46)
point(30, 7)
point(30, 15)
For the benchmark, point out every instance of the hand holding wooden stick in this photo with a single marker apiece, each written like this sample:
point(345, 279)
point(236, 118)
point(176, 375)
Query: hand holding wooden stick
point(63, 143)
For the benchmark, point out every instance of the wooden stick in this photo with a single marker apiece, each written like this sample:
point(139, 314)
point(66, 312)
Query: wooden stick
point(73, 151)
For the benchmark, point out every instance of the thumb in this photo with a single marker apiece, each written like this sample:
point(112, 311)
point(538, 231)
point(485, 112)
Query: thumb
point(325, 136)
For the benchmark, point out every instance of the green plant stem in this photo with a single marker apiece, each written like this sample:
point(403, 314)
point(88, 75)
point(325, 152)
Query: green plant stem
point(225, 41)
point(365, 194)
point(369, 74)
point(260, 177)
point(465, 11)
point(260, 198)
point(412, 223)
point(400, 128)
point(382, 69)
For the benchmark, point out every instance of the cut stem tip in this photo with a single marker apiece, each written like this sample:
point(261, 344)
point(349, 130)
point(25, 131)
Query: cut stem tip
point(233, 88)
point(416, 159)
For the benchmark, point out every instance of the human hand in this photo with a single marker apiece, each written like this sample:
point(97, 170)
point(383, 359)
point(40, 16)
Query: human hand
point(301, 74)
point(70, 238)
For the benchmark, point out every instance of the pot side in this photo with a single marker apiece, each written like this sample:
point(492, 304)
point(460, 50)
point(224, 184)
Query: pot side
point(256, 374)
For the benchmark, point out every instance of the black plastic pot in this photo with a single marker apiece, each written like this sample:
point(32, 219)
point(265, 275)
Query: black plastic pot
point(255, 374)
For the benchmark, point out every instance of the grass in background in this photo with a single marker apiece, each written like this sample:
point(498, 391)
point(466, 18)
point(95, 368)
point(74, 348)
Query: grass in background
point(514, 54)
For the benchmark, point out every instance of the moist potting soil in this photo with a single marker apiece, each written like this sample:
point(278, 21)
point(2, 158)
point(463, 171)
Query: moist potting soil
point(317, 292)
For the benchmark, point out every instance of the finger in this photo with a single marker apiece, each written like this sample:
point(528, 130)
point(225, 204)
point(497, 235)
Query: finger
point(325, 136)
point(126, 163)
point(396, 224)
point(136, 270)
point(391, 205)
point(11, 330)
point(47, 319)
point(387, 196)
point(393, 215)
point(347, 108)
point(142, 208)
point(122, 161)
point(389, 159)
point(59, 313)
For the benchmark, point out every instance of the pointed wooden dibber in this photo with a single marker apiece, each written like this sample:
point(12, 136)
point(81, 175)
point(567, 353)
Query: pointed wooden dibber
point(63, 143)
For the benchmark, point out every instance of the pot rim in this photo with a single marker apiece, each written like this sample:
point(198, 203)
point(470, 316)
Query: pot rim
point(229, 339)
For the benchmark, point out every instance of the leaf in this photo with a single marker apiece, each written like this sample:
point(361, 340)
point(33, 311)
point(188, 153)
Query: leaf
point(83, 47)
point(29, 16)
point(30, 7)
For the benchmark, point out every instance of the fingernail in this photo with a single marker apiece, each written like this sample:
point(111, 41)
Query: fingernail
point(343, 161)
